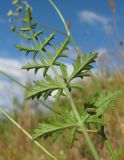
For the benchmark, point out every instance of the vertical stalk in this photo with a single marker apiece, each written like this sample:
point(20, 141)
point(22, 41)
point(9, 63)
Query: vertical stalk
point(61, 17)
point(27, 134)
point(107, 143)
point(88, 140)
point(82, 126)
point(66, 27)
point(110, 149)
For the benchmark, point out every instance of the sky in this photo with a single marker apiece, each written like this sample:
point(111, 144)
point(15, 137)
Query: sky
point(91, 24)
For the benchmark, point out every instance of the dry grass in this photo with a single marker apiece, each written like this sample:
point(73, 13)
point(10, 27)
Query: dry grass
point(14, 145)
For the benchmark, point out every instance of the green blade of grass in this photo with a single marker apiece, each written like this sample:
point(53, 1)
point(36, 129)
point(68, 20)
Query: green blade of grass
point(22, 85)
point(26, 133)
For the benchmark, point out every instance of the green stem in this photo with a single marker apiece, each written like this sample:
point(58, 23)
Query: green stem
point(22, 85)
point(95, 82)
point(82, 126)
point(37, 45)
point(88, 140)
point(110, 149)
point(64, 34)
point(62, 18)
point(35, 41)
point(106, 141)
point(76, 46)
point(14, 80)
point(52, 29)
point(66, 28)
point(26, 133)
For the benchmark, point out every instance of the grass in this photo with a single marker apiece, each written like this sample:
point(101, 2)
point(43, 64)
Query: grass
point(17, 145)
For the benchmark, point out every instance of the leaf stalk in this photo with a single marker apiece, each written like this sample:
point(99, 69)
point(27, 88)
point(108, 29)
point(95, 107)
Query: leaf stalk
point(26, 133)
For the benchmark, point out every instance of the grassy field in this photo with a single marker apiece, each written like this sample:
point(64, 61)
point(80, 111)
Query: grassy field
point(14, 145)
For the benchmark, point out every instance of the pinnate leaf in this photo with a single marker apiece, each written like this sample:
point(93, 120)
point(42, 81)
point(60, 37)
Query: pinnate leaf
point(44, 88)
point(82, 65)
point(99, 103)
point(65, 120)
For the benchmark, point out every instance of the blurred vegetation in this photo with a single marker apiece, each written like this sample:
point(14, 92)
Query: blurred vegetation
point(14, 145)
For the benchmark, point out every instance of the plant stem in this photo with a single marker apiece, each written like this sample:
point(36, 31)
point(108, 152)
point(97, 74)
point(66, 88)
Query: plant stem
point(76, 46)
point(52, 29)
point(110, 149)
point(62, 18)
point(37, 45)
point(107, 143)
point(82, 126)
point(88, 140)
point(66, 28)
point(14, 80)
point(26, 133)
point(22, 85)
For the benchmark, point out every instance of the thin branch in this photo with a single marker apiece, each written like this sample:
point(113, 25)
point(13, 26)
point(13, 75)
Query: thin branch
point(26, 133)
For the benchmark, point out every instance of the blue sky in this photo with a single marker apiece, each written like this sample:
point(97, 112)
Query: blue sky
point(89, 34)
point(91, 26)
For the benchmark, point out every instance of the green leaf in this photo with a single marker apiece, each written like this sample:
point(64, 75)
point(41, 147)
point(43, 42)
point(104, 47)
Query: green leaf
point(33, 26)
point(64, 71)
point(99, 103)
point(76, 86)
point(73, 136)
point(38, 33)
point(47, 42)
point(24, 29)
point(52, 59)
point(27, 50)
point(25, 36)
point(94, 120)
point(36, 66)
point(59, 51)
point(104, 101)
point(82, 65)
point(66, 120)
point(44, 88)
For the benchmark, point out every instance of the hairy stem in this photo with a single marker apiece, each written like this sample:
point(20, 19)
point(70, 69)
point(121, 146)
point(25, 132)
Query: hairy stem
point(82, 126)
point(89, 142)
point(26, 133)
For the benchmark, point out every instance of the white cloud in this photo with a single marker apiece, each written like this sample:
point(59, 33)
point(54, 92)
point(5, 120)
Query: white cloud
point(13, 68)
point(101, 52)
point(8, 89)
point(10, 66)
point(93, 18)
point(71, 52)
